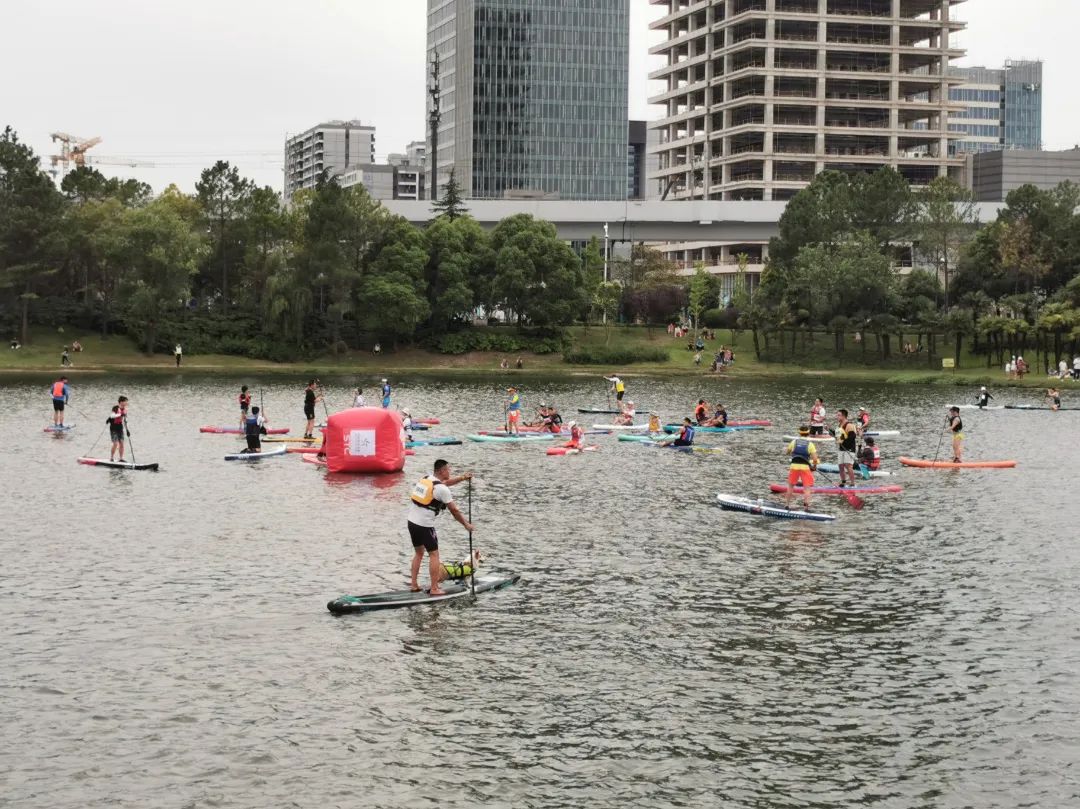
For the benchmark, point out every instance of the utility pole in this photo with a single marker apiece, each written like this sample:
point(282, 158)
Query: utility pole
point(433, 122)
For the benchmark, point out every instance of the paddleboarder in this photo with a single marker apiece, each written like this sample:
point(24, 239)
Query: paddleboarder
point(719, 418)
point(626, 417)
point(60, 395)
point(862, 420)
point(701, 412)
point(115, 420)
point(310, 400)
point(576, 434)
point(804, 461)
point(957, 427)
point(817, 417)
point(254, 429)
point(870, 457)
point(1054, 395)
point(686, 435)
point(846, 437)
point(513, 411)
point(617, 386)
point(245, 403)
point(431, 496)
point(358, 399)
point(984, 398)
point(385, 394)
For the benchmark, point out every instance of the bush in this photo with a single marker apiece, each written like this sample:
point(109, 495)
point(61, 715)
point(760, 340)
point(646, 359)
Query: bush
point(721, 318)
point(615, 356)
point(463, 342)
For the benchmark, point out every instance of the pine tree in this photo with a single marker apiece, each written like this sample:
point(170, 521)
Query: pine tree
point(452, 204)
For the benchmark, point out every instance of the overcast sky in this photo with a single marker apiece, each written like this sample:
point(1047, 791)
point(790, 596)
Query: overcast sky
point(182, 84)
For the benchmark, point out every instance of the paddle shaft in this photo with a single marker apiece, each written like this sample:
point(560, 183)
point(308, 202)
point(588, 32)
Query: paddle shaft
point(131, 446)
point(472, 561)
point(940, 439)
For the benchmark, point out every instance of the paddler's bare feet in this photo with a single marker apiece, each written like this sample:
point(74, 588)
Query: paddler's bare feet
point(434, 592)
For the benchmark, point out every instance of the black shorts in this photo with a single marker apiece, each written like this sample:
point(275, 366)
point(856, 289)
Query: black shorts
point(817, 429)
point(309, 412)
point(58, 405)
point(681, 442)
point(619, 395)
point(116, 433)
point(423, 537)
point(253, 443)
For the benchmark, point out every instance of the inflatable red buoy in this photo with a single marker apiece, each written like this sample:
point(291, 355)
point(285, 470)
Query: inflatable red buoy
point(364, 439)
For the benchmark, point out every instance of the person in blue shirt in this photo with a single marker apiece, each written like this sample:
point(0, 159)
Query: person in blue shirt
point(513, 411)
point(686, 435)
point(385, 394)
point(60, 395)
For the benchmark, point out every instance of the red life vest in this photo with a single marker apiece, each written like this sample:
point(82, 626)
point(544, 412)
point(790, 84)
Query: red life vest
point(58, 390)
point(116, 419)
point(875, 460)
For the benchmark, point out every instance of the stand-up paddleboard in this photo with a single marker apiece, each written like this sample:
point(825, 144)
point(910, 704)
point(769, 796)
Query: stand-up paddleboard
point(924, 464)
point(257, 456)
point(426, 421)
point(674, 428)
point(780, 488)
point(731, 502)
point(977, 407)
point(691, 448)
point(621, 427)
point(882, 433)
point(52, 428)
point(868, 473)
point(240, 430)
point(608, 410)
point(287, 439)
point(318, 460)
point(106, 464)
point(653, 437)
point(561, 434)
point(433, 442)
point(571, 450)
point(514, 439)
point(1036, 407)
point(452, 591)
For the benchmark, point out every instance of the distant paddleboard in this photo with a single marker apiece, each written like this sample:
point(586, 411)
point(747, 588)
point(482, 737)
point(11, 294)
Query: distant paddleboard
point(257, 456)
point(452, 591)
point(731, 502)
point(107, 464)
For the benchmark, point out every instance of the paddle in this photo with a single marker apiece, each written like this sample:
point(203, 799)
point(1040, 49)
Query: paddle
point(472, 561)
point(103, 429)
point(131, 446)
point(941, 438)
point(853, 499)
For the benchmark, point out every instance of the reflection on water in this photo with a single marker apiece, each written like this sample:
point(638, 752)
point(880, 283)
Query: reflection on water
point(168, 642)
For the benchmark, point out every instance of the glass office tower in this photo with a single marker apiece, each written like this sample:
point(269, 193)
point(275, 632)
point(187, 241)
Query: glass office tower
point(532, 96)
point(1002, 108)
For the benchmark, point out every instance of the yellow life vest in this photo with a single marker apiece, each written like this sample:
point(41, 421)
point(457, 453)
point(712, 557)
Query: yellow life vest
point(423, 494)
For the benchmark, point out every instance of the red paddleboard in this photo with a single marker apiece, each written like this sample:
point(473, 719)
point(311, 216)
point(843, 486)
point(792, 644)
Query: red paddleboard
point(570, 450)
point(426, 421)
point(304, 450)
point(780, 488)
point(922, 464)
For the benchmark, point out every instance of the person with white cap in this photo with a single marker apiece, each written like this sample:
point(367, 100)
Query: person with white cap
point(626, 417)
point(575, 436)
point(984, 398)
point(863, 420)
point(385, 394)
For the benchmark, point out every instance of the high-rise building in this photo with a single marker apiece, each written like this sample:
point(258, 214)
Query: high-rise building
point(761, 95)
point(409, 171)
point(333, 146)
point(1002, 108)
point(532, 96)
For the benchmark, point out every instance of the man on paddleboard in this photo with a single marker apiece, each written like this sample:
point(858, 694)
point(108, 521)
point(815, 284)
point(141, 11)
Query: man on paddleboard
point(60, 394)
point(115, 420)
point(804, 461)
point(310, 399)
point(513, 411)
point(430, 496)
point(254, 429)
point(957, 427)
point(817, 417)
point(617, 386)
point(984, 398)
point(846, 437)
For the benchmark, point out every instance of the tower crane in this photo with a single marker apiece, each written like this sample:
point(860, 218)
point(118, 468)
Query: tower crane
point(73, 149)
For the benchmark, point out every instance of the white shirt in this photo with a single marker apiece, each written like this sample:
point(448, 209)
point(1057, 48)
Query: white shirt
point(359, 400)
point(425, 517)
point(1076, 363)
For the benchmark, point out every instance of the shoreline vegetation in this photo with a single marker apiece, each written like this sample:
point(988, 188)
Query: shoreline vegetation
point(119, 354)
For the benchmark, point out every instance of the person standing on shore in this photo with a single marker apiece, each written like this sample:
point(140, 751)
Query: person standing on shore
point(60, 395)
point(178, 352)
point(846, 438)
point(430, 497)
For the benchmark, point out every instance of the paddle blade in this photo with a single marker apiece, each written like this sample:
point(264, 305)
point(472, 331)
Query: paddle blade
point(856, 502)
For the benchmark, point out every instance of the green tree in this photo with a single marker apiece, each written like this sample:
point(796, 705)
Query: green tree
point(86, 183)
point(457, 254)
point(592, 270)
point(31, 210)
point(223, 194)
point(163, 255)
point(948, 218)
point(699, 294)
point(97, 233)
point(606, 301)
point(391, 303)
point(452, 204)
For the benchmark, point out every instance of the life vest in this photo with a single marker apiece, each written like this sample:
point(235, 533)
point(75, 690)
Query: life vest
point(687, 434)
point(457, 570)
point(847, 437)
point(722, 416)
point(386, 390)
point(864, 419)
point(957, 425)
point(619, 386)
point(800, 452)
point(875, 459)
point(252, 427)
point(575, 434)
point(699, 413)
point(515, 402)
point(57, 390)
point(423, 494)
point(817, 415)
point(116, 419)
point(245, 401)
point(654, 424)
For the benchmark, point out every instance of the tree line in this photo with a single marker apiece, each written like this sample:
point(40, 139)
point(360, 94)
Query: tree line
point(867, 254)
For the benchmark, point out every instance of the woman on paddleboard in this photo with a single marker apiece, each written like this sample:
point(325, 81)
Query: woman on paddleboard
point(430, 497)
point(817, 417)
point(245, 403)
point(957, 427)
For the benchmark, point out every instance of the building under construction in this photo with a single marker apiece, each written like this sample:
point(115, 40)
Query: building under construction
point(761, 95)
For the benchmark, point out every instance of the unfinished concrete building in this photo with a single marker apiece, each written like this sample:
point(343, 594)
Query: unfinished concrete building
point(763, 94)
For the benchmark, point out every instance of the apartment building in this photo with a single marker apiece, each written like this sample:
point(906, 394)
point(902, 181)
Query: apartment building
point(333, 146)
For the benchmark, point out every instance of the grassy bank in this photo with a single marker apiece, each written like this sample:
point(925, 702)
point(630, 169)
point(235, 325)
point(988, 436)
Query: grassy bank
point(119, 354)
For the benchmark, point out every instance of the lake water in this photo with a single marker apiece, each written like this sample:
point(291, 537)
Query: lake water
point(167, 643)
